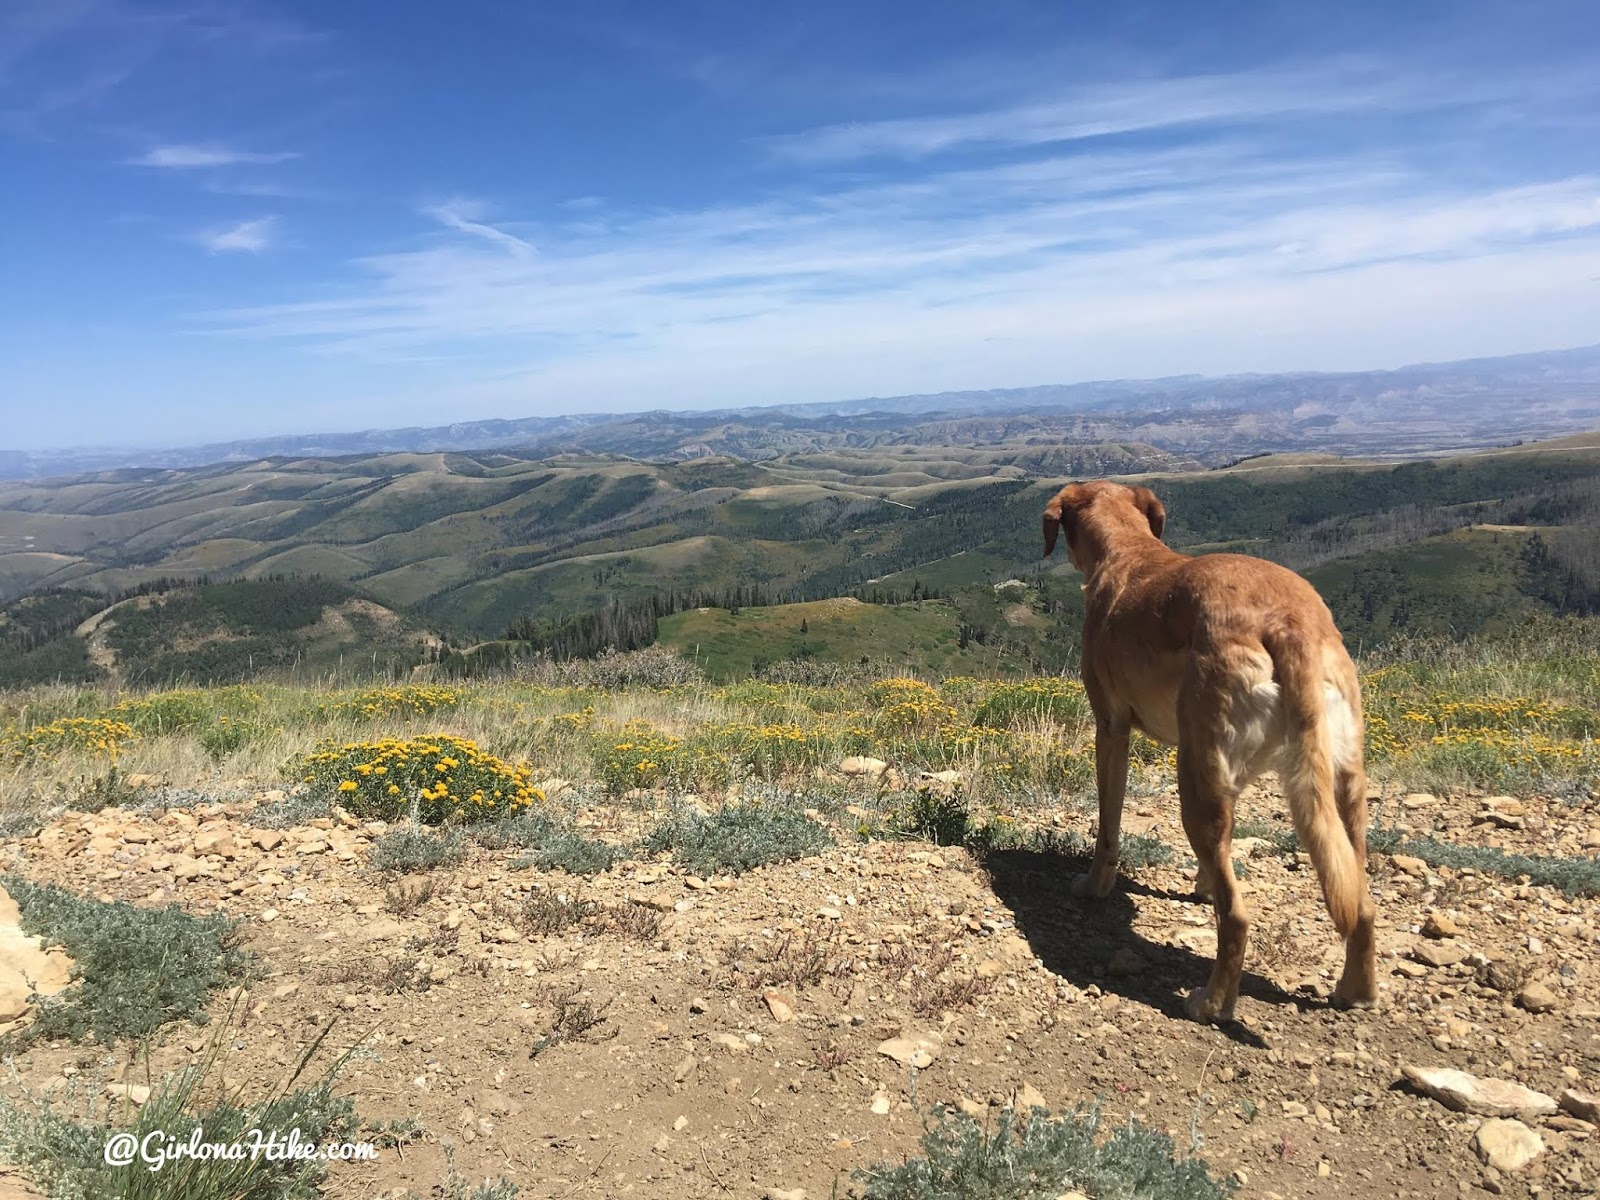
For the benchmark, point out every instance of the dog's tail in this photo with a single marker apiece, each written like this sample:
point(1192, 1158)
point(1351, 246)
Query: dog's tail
point(1315, 735)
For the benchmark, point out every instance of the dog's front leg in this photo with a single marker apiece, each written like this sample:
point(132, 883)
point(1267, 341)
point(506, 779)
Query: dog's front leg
point(1111, 781)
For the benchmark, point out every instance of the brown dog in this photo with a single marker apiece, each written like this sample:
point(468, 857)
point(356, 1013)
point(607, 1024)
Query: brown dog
point(1236, 661)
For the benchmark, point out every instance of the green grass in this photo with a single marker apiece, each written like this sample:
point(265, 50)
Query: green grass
point(922, 636)
point(139, 968)
point(1040, 1157)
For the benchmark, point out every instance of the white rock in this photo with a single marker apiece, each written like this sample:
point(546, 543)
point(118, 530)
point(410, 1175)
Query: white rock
point(1486, 1097)
point(134, 1093)
point(859, 765)
point(918, 1051)
point(1507, 1145)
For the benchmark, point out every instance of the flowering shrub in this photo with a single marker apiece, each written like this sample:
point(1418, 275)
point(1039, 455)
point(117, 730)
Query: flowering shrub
point(1492, 741)
point(769, 751)
point(446, 776)
point(640, 756)
point(165, 712)
point(98, 736)
point(227, 735)
point(906, 705)
point(405, 700)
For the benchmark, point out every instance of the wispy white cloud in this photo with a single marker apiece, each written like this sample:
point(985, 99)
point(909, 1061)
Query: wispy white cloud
point(58, 57)
point(1347, 87)
point(1231, 247)
point(461, 215)
point(243, 237)
point(191, 156)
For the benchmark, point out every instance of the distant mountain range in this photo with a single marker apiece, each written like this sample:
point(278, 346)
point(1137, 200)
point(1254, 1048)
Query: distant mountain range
point(1410, 410)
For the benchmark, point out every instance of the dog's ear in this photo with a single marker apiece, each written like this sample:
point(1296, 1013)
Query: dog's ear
point(1152, 508)
point(1058, 512)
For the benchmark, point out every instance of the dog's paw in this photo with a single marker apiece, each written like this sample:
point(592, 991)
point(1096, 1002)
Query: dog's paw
point(1201, 1007)
point(1353, 997)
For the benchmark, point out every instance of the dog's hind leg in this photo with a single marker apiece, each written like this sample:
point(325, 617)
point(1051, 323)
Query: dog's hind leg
point(1111, 781)
point(1358, 985)
point(1207, 795)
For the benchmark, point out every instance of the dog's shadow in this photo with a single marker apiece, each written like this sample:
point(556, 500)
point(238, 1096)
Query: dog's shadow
point(1079, 939)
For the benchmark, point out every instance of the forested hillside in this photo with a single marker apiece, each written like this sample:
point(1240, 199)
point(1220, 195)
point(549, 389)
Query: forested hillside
point(503, 558)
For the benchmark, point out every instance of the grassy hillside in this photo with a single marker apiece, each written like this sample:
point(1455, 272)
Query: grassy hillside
point(924, 637)
point(475, 544)
point(209, 633)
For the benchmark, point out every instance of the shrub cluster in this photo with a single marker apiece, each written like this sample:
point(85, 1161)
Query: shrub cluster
point(443, 776)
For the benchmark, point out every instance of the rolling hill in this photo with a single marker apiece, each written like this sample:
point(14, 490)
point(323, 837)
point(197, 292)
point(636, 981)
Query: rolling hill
point(207, 633)
point(472, 545)
point(1410, 410)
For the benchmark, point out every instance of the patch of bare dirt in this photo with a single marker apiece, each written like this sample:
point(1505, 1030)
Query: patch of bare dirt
point(649, 1033)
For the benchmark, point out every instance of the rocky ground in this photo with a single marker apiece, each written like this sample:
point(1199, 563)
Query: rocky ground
point(766, 1034)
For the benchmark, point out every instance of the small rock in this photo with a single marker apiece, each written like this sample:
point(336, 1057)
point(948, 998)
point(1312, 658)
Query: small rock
point(779, 1005)
point(1438, 954)
point(1487, 1097)
point(858, 765)
point(1537, 998)
point(1409, 865)
point(507, 934)
point(1126, 961)
point(1027, 1098)
point(680, 1124)
point(1561, 1123)
point(880, 1104)
point(784, 1194)
point(1507, 1145)
point(134, 1093)
point(1581, 1104)
point(215, 841)
point(919, 1051)
point(1438, 925)
point(268, 915)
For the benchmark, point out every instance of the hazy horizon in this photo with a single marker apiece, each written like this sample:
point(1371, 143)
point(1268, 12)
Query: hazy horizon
point(134, 445)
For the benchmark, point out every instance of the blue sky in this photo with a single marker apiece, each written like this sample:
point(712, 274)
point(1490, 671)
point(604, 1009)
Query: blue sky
point(223, 218)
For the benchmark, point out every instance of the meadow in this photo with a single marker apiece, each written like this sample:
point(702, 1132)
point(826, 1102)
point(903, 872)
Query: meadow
point(1517, 715)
